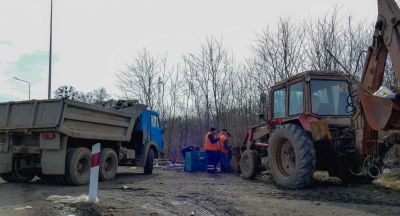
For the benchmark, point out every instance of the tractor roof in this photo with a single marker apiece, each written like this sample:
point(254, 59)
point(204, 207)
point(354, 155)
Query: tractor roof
point(314, 73)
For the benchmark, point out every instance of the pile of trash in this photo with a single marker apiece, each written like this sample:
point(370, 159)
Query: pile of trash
point(118, 104)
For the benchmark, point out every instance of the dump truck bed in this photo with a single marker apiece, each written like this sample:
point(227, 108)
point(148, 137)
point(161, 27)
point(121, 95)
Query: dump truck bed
point(75, 119)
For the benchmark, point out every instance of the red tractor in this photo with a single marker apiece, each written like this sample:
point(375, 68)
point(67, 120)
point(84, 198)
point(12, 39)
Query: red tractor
point(317, 122)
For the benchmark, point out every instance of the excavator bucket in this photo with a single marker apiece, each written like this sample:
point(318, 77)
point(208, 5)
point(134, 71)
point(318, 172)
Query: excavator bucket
point(381, 113)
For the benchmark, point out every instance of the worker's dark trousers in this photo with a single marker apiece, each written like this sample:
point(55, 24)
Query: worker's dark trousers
point(212, 157)
point(220, 160)
point(227, 161)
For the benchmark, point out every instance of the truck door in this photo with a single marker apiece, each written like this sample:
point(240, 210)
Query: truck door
point(156, 133)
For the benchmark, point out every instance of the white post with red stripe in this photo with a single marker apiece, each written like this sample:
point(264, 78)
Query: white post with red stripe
point(94, 173)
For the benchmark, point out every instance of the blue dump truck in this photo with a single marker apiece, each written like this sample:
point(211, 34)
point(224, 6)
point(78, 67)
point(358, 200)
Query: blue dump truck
point(53, 139)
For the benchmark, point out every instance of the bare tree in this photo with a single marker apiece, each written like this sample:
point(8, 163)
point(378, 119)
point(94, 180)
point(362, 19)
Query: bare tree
point(278, 54)
point(140, 78)
point(99, 95)
point(209, 71)
point(67, 92)
point(324, 36)
point(390, 78)
point(85, 97)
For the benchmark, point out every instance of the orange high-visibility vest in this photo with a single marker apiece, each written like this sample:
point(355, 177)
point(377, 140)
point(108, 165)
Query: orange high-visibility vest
point(219, 143)
point(208, 145)
point(222, 139)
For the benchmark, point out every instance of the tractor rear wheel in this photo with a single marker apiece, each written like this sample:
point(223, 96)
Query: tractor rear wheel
point(291, 156)
point(249, 164)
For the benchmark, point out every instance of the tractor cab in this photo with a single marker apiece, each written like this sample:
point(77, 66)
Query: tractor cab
point(309, 96)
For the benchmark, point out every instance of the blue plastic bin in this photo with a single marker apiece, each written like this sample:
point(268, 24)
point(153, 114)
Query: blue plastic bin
point(195, 161)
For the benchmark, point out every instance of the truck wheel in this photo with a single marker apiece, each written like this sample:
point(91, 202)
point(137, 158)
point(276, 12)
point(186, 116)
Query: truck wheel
point(19, 171)
point(108, 164)
point(7, 177)
point(291, 157)
point(61, 179)
point(249, 164)
point(78, 165)
point(148, 169)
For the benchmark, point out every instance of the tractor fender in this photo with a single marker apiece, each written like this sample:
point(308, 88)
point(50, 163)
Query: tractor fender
point(304, 121)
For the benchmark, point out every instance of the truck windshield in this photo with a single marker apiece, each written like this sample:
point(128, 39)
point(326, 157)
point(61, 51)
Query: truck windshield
point(330, 97)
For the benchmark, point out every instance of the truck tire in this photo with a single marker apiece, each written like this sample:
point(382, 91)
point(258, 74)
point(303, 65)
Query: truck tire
point(291, 156)
point(7, 177)
point(19, 172)
point(148, 169)
point(62, 179)
point(108, 164)
point(78, 165)
point(249, 164)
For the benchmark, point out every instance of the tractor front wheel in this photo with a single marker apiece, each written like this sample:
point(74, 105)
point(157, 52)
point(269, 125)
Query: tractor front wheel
point(291, 156)
point(249, 164)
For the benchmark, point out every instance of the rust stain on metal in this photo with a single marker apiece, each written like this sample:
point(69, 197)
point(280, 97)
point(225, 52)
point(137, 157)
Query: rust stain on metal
point(320, 130)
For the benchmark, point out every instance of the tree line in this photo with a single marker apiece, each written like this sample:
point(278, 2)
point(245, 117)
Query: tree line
point(211, 88)
point(93, 97)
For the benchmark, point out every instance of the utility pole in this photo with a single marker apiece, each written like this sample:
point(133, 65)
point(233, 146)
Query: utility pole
point(28, 84)
point(51, 30)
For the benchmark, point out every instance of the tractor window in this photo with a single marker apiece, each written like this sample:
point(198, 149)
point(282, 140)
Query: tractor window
point(279, 103)
point(330, 97)
point(296, 98)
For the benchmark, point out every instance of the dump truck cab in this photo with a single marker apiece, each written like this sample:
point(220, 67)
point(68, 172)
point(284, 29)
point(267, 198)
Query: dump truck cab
point(150, 124)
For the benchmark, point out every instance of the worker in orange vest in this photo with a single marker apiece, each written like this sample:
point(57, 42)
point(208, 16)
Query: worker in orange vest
point(211, 147)
point(219, 153)
point(226, 152)
point(223, 132)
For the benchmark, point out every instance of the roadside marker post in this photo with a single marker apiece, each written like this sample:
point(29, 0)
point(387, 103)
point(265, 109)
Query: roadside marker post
point(94, 173)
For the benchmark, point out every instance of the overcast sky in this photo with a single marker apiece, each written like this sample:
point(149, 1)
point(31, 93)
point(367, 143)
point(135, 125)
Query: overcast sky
point(93, 40)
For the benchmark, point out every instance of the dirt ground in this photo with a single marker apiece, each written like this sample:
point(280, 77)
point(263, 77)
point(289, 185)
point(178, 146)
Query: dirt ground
point(172, 191)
